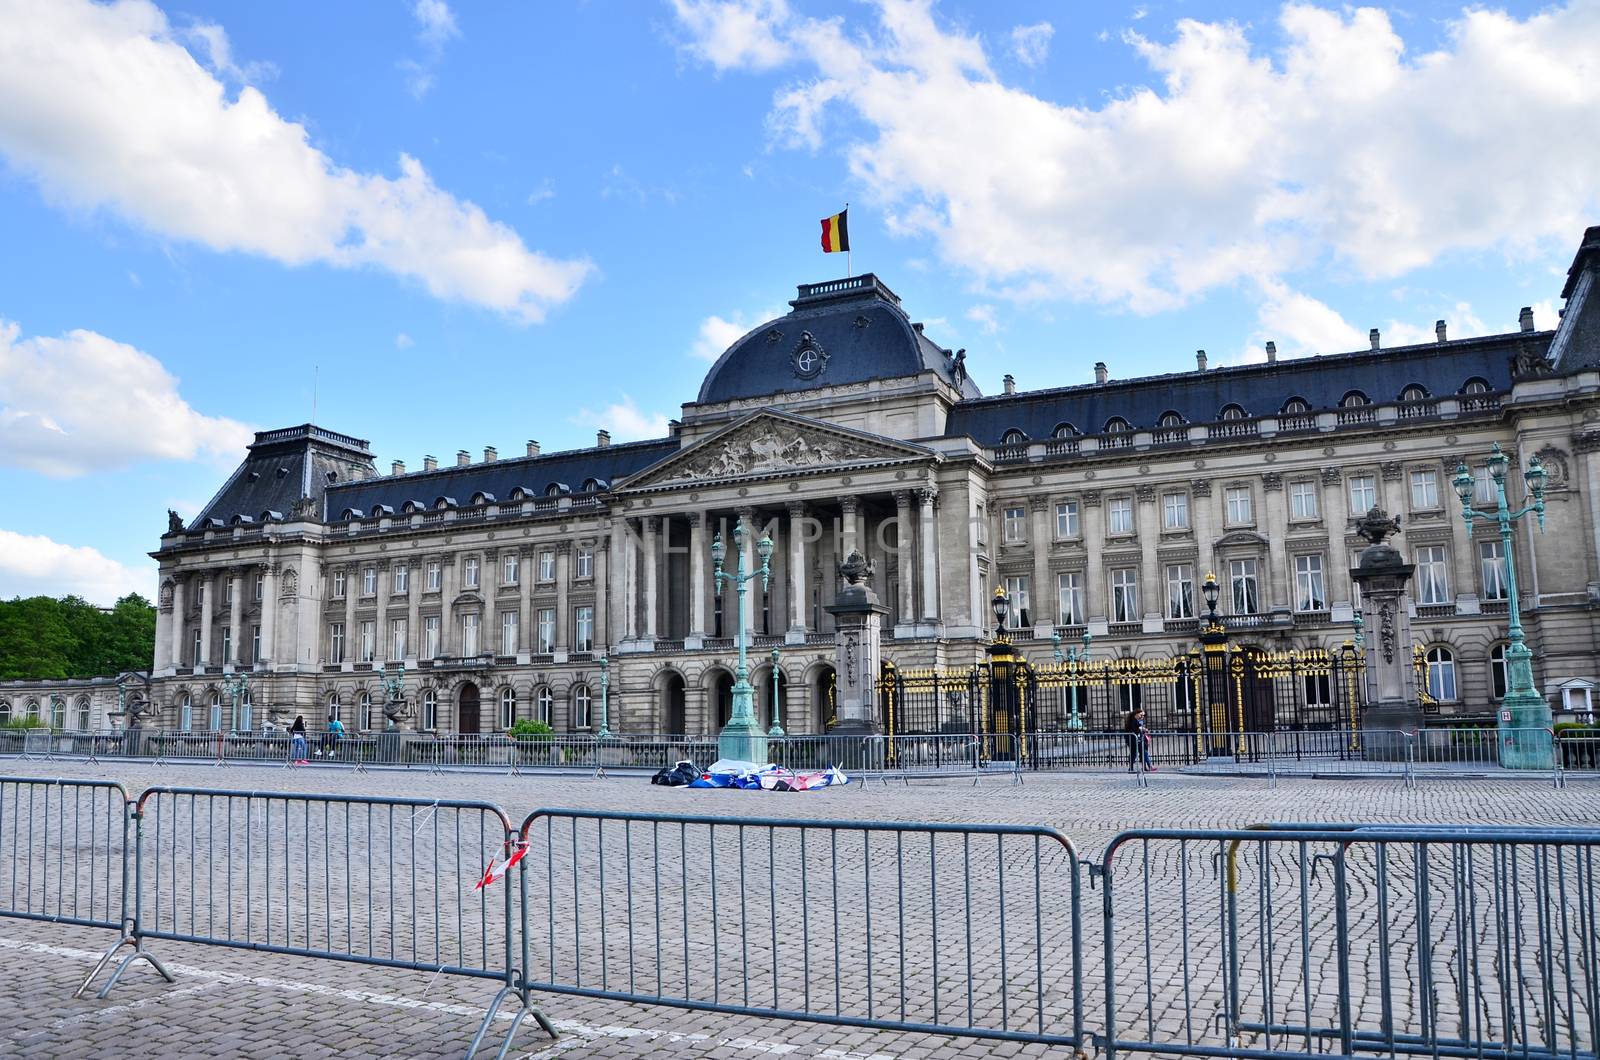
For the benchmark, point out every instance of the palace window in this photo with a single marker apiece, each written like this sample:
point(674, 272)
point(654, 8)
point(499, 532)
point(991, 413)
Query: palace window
point(369, 581)
point(510, 569)
point(1239, 509)
point(583, 623)
point(58, 713)
point(1424, 489)
point(1233, 412)
point(335, 706)
point(369, 641)
point(1067, 519)
point(227, 644)
point(196, 659)
point(258, 586)
point(508, 707)
point(1475, 386)
point(83, 714)
point(1353, 400)
point(1118, 425)
point(1303, 499)
point(1180, 590)
point(216, 712)
point(1013, 437)
point(1169, 420)
point(1120, 515)
point(255, 644)
point(338, 584)
point(1363, 494)
point(547, 565)
point(336, 642)
point(430, 710)
point(1175, 511)
point(1296, 407)
point(1483, 487)
point(544, 705)
point(582, 708)
point(364, 711)
point(1015, 525)
point(435, 576)
point(1069, 596)
point(430, 637)
point(400, 578)
point(1413, 393)
point(1492, 565)
point(185, 713)
point(508, 633)
point(397, 638)
point(1432, 577)
point(469, 634)
point(1309, 588)
point(585, 561)
point(1497, 672)
point(1125, 595)
point(227, 592)
point(1019, 613)
point(546, 630)
point(469, 573)
point(1441, 674)
point(1244, 583)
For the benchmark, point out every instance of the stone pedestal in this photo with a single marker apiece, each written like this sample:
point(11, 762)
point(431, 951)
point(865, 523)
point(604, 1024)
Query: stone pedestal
point(1393, 707)
point(858, 660)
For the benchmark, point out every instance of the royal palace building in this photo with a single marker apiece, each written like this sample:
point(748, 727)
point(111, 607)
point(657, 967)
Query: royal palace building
point(500, 582)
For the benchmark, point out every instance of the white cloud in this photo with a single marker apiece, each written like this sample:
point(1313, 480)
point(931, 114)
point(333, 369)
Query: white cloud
point(545, 190)
point(38, 566)
point(83, 402)
point(734, 34)
point(1030, 45)
point(1237, 162)
point(625, 420)
point(1545, 315)
point(984, 317)
point(717, 333)
point(402, 341)
point(436, 25)
point(1300, 325)
point(104, 107)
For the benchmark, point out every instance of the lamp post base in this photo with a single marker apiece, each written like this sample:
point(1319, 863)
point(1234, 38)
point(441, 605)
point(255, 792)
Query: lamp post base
point(742, 739)
point(1524, 732)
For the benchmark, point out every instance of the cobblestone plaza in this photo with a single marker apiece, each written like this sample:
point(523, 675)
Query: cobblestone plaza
point(233, 1004)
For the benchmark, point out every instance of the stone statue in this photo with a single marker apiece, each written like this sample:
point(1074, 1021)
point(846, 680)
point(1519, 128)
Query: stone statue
point(174, 522)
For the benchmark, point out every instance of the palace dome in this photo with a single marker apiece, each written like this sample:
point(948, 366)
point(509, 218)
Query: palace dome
point(841, 332)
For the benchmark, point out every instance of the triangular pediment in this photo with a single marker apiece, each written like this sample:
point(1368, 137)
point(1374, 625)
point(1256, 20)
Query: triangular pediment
point(773, 444)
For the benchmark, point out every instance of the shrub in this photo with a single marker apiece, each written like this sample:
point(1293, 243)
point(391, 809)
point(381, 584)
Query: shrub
point(24, 722)
point(526, 729)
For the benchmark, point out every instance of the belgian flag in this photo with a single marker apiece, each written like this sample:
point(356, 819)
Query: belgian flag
point(836, 233)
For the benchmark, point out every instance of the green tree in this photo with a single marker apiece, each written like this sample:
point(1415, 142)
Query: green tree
point(42, 638)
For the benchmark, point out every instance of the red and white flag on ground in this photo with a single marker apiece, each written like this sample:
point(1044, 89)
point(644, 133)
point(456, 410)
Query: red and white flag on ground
point(498, 867)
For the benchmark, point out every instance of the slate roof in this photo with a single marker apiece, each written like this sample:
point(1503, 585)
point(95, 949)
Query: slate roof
point(858, 322)
point(281, 468)
point(1441, 368)
point(1577, 341)
point(499, 477)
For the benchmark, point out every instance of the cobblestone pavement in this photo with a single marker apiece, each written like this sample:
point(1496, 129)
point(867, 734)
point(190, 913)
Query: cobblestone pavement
point(233, 1003)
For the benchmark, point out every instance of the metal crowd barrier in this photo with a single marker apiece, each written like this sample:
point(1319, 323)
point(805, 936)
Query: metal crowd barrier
point(966, 930)
point(1308, 940)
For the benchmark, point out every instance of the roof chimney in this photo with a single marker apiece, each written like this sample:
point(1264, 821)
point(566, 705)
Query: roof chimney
point(1100, 373)
point(1200, 360)
point(674, 428)
point(1438, 331)
point(602, 438)
point(1010, 383)
point(430, 463)
point(533, 447)
point(1272, 353)
point(398, 468)
point(1525, 318)
point(490, 453)
point(918, 327)
point(1373, 336)
point(463, 458)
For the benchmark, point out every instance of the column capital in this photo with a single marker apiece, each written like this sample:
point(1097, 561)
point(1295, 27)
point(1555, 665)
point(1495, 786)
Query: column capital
point(650, 523)
point(928, 494)
point(1331, 476)
point(1146, 492)
point(797, 509)
point(563, 548)
point(1587, 442)
point(902, 499)
point(1391, 471)
point(1091, 498)
point(848, 504)
point(696, 519)
point(1039, 502)
point(1200, 487)
point(1272, 481)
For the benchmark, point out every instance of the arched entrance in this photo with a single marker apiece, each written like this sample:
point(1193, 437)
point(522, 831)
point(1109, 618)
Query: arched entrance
point(722, 696)
point(467, 722)
point(823, 695)
point(671, 703)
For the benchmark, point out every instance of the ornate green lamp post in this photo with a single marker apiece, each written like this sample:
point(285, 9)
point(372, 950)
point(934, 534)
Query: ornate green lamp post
point(777, 708)
point(741, 738)
point(235, 685)
point(605, 695)
point(1523, 707)
point(1075, 722)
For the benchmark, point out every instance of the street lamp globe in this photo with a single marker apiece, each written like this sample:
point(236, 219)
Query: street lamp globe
point(719, 551)
point(1535, 477)
point(1463, 483)
point(1497, 464)
point(1209, 590)
point(1000, 605)
point(764, 548)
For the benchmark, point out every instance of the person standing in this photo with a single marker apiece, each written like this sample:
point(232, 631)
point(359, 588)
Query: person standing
point(297, 741)
point(1138, 737)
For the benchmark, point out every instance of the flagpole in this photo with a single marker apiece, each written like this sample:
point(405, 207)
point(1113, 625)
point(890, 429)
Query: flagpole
point(849, 270)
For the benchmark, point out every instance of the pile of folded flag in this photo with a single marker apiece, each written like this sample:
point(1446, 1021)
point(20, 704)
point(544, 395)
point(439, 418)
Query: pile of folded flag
point(728, 773)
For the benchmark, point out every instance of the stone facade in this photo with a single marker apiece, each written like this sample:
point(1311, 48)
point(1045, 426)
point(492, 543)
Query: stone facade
point(499, 583)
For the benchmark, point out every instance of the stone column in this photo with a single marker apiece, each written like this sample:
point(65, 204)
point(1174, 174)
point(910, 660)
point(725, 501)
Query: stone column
point(1463, 549)
point(1333, 517)
point(652, 566)
point(208, 594)
point(352, 643)
point(382, 642)
point(905, 539)
point(698, 551)
point(1152, 586)
point(747, 518)
point(449, 637)
point(928, 541)
point(602, 578)
point(164, 622)
point(180, 617)
point(1393, 486)
point(848, 506)
point(269, 611)
point(630, 583)
point(1094, 575)
point(235, 578)
point(1277, 521)
point(616, 582)
point(1038, 592)
point(564, 622)
point(526, 572)
point(797, 573)
point(1586, 446)
point(858, 619)
point(416, 581)
point(1205, 535)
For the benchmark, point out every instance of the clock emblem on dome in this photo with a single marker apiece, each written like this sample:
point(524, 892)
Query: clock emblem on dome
point(809, 358)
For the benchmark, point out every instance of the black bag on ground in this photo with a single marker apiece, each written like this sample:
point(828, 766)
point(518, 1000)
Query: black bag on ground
point(677, 775)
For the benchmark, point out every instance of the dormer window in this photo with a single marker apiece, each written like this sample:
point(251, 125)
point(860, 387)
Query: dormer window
point(1353, 400)
point(1413, 393)
point(1170, 419)
point(1013, 437)
point(1296, 407)
point(1475, 386)
point(1118, 425)
point(1233, 412)
point(1064, 430)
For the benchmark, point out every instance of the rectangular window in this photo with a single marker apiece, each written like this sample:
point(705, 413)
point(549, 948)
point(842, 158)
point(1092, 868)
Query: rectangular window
point(1432, 577)
point(1020, 613)
point(1175, 511)
point(227, 592)
point(1492, 564)
point(227, 644)
point(1483, 491)
point(547, 566)
point(469, 634)
point(981, 518)
point(1125, 595)
point(195, 659)
point(1245, 581)
point(255, 644)
point(258, 587)
point(509, 569)
point(1180, 590)
point(401, 581)
point(369, 641)
point(584, 617)
point(585, 561)
point(508, 633)
point(546, 630)
point(1067, 519)
point(1363, 494)
point(1424, 489)
point(1015, 528)
point(469, 573)
point(1120, 515)
point(369, 581)
point(338, 585)
point(1309, 588)
point(430, 637)
point(1303, 499)
point(1240, 511)
point(435, 576)
point(336, 642)
point(397, 638)
point(1069, 594)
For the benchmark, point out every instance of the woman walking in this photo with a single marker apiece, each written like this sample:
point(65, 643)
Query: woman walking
point(1138, 737)
point(297, 741)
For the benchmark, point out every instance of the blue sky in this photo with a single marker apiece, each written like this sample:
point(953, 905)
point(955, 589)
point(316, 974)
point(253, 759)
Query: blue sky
point(478, 224)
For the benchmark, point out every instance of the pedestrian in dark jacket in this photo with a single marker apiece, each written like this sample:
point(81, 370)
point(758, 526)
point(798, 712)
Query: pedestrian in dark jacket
point(1138, 737)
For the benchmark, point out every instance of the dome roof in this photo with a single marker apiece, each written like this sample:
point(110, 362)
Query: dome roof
point(844, 331)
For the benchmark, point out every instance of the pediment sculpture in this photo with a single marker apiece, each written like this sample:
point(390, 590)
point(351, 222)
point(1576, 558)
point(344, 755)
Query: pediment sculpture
point(771, 447)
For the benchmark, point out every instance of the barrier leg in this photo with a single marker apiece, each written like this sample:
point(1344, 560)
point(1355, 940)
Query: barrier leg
point(139, 954)
point(525, 1009)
